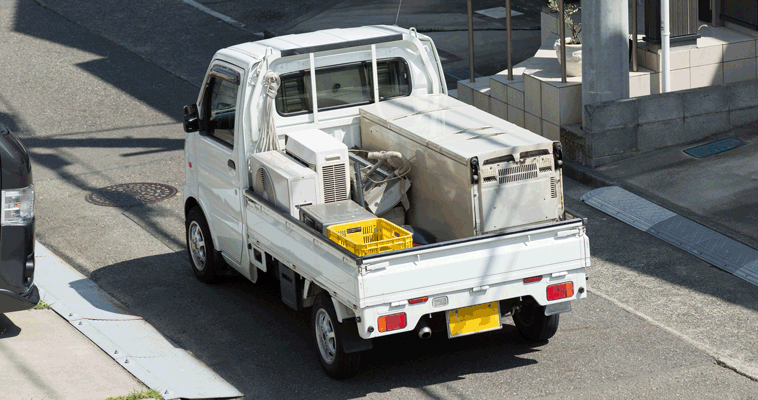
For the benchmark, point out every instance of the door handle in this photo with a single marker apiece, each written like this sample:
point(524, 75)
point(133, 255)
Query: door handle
point(230, 164)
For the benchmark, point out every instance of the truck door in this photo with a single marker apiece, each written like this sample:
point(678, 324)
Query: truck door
point(216, 154)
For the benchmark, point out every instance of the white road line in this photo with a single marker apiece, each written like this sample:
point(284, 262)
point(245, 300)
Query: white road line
point(498, 12)
point(220, 16)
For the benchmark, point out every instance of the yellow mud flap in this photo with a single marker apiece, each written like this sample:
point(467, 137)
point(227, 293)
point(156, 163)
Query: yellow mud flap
point(475, 319)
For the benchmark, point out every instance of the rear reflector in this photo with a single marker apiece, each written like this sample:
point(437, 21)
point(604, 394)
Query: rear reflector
point(419, 300)
point(533, 279)
point(560, 291)
point(439, 301)
point(392, 322)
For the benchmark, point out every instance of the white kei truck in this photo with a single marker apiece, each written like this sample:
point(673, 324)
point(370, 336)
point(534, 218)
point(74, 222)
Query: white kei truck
point(296, 141)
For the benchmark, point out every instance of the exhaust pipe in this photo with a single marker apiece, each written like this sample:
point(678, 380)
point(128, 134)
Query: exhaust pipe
point(424, 332)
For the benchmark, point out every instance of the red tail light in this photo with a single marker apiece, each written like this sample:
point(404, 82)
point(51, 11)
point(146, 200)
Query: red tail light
point(533, 279)
point(560, 291)
point(392, 322)
point(419, 300)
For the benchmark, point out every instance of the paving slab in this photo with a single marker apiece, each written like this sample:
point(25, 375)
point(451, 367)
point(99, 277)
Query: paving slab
point(43, 356)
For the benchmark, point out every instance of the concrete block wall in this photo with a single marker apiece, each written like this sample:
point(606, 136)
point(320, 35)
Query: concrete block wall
point(725, 57)
point(624, 128)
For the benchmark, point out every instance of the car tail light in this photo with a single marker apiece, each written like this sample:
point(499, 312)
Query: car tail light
point(392, 322)
point(17, 206)
point(560, 291)
point(533, 279)
point(418, 300)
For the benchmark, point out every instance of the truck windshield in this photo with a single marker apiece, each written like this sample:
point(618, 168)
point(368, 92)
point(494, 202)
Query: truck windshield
point(342, 86)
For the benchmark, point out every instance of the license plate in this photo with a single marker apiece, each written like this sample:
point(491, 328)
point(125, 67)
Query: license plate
point(475, 319)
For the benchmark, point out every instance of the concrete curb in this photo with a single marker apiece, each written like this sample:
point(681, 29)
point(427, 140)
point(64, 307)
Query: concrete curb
point(595, 179)
point(127, 338)
point(586, 176)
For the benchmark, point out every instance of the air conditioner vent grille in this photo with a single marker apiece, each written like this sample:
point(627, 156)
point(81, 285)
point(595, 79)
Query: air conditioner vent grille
point(263, 185)
point(335, 185)
point(517, 173)
point(546, 169)
point(553, 191)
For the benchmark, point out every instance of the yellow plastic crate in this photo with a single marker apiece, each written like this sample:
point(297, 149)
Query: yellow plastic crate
point(370, 236)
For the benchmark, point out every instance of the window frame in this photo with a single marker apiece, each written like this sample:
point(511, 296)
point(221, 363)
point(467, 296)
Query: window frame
point(306, 72)
point(219, 73)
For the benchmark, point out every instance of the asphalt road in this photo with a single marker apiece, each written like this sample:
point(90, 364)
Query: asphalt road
point(95, 90)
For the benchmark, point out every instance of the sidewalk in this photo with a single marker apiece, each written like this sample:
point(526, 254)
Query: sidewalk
point(89, 346)
point(719, 191)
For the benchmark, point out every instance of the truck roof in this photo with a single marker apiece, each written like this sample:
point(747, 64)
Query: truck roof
point(324, 40)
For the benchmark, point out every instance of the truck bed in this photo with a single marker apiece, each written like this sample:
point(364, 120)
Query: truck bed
point(468, 271)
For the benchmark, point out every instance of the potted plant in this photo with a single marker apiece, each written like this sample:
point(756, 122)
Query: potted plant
point(573, 42)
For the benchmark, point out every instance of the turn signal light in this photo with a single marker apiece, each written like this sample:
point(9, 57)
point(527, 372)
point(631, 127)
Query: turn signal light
point(560, 291)
point(419, 300)
point(392, 322)
point(533, 279)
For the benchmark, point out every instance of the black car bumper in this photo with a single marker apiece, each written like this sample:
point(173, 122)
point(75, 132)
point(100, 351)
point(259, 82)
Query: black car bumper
point(17, 291)
point(10, 301)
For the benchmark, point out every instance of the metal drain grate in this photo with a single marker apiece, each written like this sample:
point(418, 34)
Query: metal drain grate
point(131, 194)
point(716, 147)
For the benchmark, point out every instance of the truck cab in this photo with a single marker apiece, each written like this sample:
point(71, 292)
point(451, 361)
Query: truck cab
point(17, 289)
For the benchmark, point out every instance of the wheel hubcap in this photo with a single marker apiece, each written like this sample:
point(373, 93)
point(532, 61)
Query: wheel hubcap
point(327, 342)
point(197, 245)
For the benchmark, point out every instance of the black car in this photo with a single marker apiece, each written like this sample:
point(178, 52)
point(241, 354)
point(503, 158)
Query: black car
point(17, 289)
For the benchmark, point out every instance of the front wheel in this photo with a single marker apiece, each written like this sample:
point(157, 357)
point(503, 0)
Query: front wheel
point(202, 255)
point(327, 333)
point(533, 324)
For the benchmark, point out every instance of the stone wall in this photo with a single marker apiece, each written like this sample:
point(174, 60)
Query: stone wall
point(623, 128)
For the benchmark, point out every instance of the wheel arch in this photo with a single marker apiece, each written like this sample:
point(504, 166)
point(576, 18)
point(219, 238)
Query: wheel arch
point(191, 203)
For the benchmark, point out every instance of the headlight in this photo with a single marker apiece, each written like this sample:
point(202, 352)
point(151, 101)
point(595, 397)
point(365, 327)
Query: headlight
point(18, 206)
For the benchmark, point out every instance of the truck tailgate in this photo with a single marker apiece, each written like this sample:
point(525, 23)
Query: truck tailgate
point(473, 263)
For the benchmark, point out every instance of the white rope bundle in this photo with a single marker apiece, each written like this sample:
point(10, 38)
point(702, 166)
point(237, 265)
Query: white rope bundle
point(267, 138)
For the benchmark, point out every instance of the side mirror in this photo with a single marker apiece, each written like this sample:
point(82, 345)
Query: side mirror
point(191, 118)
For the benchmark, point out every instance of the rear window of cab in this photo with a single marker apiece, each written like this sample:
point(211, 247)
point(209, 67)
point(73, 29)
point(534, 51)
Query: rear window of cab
point(342, 86)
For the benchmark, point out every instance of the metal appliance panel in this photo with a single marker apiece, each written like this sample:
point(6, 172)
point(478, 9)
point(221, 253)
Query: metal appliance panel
point(321, 216)
point(440, 196)
point(439, 136)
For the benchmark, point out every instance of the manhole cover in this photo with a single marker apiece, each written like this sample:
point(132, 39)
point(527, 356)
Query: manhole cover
point(131, 194)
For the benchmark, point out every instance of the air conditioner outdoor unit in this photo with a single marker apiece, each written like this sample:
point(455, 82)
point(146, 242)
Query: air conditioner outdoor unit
point(283, 181)
point(327, 156)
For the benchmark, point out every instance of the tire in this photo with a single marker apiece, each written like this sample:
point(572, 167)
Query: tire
point(203, 257)
point(533, 324)
point(327, 335)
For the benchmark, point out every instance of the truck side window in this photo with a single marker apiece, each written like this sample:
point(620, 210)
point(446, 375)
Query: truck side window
point(342, 86)
point(221, 106)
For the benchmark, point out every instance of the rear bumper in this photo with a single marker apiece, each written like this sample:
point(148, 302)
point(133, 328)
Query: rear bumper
point(494, 292)
point(10, 301)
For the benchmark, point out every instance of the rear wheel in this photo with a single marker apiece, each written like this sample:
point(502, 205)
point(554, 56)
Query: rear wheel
point(328, 335)
point(202, 254)
point(533, 324)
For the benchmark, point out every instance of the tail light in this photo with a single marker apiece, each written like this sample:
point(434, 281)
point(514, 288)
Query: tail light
point(418, 300)
point(533, 279)
point(392, 322)
point(560, 291)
